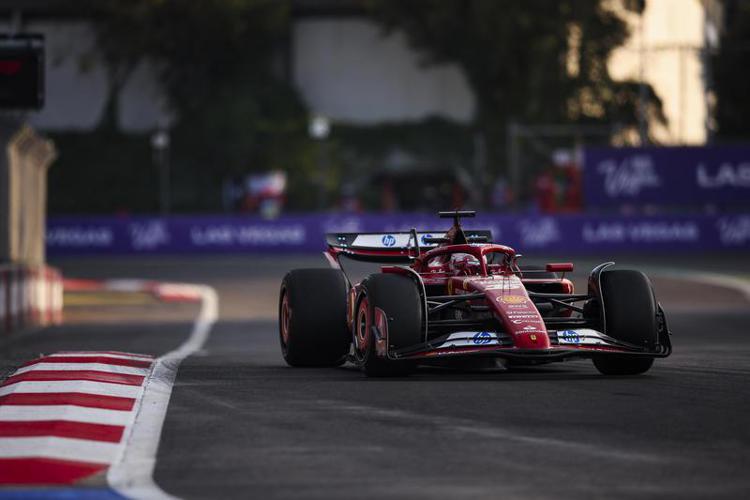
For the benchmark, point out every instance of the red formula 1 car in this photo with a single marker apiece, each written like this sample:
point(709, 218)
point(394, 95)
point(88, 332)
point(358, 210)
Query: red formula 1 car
point(456, 299)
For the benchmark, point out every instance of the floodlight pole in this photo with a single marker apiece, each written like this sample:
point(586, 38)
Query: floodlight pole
point(319, 128)
point(160, 145)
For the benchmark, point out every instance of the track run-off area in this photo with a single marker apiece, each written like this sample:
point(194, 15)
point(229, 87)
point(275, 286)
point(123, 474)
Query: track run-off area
point(153, 389)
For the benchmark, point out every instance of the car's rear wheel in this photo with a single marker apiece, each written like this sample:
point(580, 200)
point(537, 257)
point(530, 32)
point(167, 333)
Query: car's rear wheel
point(630, 315)
point(399, 299)
point(312, 317)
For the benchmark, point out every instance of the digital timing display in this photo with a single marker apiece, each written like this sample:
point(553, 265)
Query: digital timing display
point(21, 72)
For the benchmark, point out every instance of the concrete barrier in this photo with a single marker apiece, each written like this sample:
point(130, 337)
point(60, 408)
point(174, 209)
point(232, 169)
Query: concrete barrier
point(29, 297)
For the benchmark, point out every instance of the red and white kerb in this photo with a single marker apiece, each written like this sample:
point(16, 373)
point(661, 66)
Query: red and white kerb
point(64, 417)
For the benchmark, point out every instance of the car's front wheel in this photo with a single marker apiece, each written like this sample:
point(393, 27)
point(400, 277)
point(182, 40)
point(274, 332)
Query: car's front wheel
point(399, 300)
point(630, 316)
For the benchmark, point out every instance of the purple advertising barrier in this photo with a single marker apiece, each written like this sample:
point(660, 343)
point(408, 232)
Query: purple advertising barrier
point(576, 234)
point(694, 176)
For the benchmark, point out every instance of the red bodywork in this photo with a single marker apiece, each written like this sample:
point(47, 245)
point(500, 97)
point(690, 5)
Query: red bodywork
point(489, 272)
point(504, 292)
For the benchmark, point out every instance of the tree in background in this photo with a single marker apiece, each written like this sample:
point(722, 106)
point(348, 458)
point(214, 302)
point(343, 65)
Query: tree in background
point(222, 72)
point(531, 61)
point(221, 65)
point(730, 69)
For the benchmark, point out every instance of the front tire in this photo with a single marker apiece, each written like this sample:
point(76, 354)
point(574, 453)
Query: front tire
point(630, 315)
point(312, 317)
point(622, 365)
point(398, 297)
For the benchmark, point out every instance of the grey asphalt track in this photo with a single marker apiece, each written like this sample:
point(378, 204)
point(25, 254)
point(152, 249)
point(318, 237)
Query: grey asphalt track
point(241, 424)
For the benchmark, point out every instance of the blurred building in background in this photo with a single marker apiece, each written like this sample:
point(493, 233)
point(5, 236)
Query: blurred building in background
point(344, 65)
point(350, 71)
point(669, 48)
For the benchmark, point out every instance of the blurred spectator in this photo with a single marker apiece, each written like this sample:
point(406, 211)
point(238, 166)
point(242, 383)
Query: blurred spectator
point(544, 188)
point(502, 197)
point(558, 188)
point(388, 202)
point(350, 202)
point(263, 194)
point(232, 193)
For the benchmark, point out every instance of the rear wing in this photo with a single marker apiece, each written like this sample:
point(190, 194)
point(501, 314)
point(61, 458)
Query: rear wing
point(393, 246)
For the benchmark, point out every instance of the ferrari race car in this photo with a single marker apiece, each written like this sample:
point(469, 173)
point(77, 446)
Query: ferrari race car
point(456, 299)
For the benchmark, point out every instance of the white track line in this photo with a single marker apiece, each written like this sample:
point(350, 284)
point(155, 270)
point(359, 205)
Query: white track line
point(99, 367)
point(740, 285)
point(131, 474)
point(70, 413)
point(83, 450)
point(75, 354)
point(84, 386)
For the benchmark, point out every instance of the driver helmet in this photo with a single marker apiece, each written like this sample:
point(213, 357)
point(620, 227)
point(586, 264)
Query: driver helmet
point(463, 262)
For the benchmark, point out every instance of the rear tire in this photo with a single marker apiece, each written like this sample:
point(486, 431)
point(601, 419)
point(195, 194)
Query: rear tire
point(401, 302)
point(312, 317)
point(630, 314)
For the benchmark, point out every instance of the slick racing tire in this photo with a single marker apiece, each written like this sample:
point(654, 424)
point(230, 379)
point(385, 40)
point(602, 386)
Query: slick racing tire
point(398, 297)
point(630, 314)
point(622, 365)
point(312, 317)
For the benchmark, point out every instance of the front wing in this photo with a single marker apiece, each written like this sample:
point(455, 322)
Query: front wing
point(576, 343)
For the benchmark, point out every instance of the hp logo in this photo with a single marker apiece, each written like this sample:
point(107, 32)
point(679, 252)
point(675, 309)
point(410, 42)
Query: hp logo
point(424, 237)
point(388, 240)
point(480, 338)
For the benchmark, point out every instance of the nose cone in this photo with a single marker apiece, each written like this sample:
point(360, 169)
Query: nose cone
point(512, 306)
point(521, 319)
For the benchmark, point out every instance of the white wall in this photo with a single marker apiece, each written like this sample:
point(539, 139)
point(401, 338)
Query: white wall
point(76, 91)
point(347, 70)
point(74, 99)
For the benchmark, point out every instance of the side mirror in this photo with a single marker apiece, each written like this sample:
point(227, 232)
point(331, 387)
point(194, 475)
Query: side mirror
point(560, 267)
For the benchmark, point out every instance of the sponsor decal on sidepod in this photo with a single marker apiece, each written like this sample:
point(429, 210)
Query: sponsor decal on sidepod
point(512, 299)
point(504, 286)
